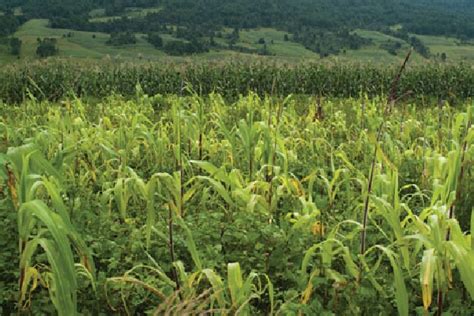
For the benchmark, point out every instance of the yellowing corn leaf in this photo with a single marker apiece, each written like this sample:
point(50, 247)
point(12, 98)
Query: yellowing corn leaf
point(317, 229)
point(428, 266)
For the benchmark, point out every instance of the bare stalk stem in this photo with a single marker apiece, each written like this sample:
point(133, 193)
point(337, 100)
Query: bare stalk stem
point(171, 247)
point(392, 98)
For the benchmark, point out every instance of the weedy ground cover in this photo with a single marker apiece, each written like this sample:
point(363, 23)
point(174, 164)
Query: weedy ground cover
point(188, 204)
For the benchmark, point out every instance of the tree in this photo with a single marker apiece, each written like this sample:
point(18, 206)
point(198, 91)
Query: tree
point(234, 37)
point(15, 46)
point(286, 38)
point(8, 24)
point(46, 47)
point(443, 57)
point(180, 48)
point(155, 40)
point(264, 51)
point(212, 41)
point(121, 38)
point(391, 47)
point(419, 47)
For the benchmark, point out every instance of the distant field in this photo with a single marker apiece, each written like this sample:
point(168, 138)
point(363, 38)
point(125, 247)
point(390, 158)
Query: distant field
point(373, 52)
point(275, 42)
point(455, 51)
point(98, 15)
point(92, 45)
point(81, 44)
point(78, 44)
point(137, 12)
point(452, 47)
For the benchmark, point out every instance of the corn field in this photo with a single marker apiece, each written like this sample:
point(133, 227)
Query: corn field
point(196, 204)
point(55, 79)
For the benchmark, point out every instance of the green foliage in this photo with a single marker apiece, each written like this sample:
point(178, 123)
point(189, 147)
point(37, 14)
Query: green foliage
point(56, 79)
point(180, 48)
point(121, 38)
point(9, 24)
point(330, 43)
point(322, 26)
point(15, 46)
point(39, 227)
point(196, 204)
point(46, 47)
point(155, 39)
point(391, 46)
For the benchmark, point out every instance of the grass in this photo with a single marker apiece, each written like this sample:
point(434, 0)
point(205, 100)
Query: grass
point(18, 11)
point(101, 19)
point(373, 52)
point(98, 15)
point(279, 47)
point(82, 44)
point(93, 45)
point(452, 47)
point(5, 56)
point(138, 12)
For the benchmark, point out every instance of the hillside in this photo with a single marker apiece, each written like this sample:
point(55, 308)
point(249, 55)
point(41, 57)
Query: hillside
point(159, 30)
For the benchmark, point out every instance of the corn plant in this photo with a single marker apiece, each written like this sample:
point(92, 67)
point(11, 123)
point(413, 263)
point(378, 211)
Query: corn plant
point(45, 228)
point(252, 204)
point(61, 78)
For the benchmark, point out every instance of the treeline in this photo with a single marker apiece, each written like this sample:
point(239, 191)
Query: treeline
point(414, 41)
point(14, 45)
point(323, 26)
point(320, 26)
point(55, 80)
point(329, 43)
point(9, 23)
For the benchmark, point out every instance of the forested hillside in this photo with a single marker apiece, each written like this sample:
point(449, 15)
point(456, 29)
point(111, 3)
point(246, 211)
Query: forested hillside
point(184, 27)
